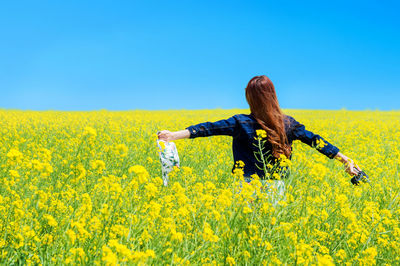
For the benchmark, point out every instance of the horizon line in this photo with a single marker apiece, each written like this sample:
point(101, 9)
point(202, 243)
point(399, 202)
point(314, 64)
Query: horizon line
point(184, 109)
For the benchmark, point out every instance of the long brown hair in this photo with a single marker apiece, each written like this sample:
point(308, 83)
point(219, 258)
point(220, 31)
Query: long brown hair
point(264, 106)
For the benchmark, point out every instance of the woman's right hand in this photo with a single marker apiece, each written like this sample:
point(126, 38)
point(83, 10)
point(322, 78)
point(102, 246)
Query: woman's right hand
point(165, 135)
point(352, 168)
point(349, 165)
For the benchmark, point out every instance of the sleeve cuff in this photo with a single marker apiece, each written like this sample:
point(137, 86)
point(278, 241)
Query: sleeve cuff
point(333, 152)
point(193, 132)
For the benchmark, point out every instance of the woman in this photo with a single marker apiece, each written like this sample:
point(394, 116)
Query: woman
point(281, 130)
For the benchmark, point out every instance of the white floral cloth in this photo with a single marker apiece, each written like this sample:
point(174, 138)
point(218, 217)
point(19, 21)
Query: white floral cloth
point(168, 157)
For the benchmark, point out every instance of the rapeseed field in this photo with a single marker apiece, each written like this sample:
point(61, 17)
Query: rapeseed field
point(86, 188)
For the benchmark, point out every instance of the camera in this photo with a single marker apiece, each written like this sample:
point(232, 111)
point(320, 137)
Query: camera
point(361, 176)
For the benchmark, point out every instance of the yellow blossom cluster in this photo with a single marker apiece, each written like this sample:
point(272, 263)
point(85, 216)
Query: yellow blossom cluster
point(261, 134)
point(86, 188)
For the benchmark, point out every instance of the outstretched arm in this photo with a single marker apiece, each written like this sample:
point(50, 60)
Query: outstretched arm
point(227, 127)
point(299, 132)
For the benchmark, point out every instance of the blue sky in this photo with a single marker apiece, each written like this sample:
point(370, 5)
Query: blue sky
point(125, 55)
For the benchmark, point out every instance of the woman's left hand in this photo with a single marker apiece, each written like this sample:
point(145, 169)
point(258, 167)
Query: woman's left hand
point(165, 135)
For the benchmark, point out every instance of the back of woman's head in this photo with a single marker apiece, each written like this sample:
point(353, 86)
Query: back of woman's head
point(264, 106)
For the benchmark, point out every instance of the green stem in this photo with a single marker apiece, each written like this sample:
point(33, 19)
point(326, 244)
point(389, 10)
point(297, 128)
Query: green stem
point(262, 157)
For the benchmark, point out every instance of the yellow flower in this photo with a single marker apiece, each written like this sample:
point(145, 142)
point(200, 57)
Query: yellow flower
point(151, 190)
point(276, 176)
point(77, 252)
point(230, 261)
point(340, 255)
point(239, 164)
point(89, 131)
point(208, 233)
point(178, 236)
point(108, 256)
point(140, 172)
point(146, 236)
point(98, 165)
point(162, 144)
point(304, 253)
point(246, 254)
point(325, 260)
point(50, 220)
point(14, 155)
point(261, 134)
point(369, 256)
point(121, 150)
point(71, 235)
point(14, 173)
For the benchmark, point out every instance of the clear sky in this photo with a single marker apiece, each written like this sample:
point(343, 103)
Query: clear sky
point(124, 55)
